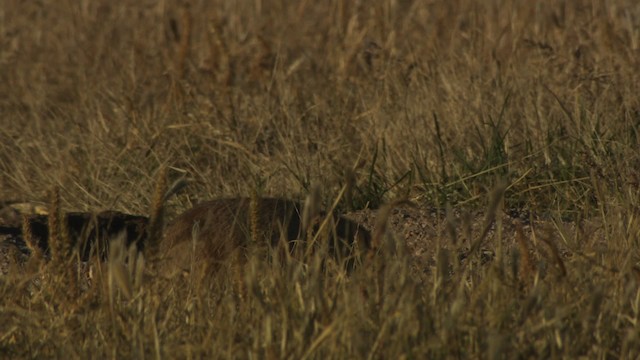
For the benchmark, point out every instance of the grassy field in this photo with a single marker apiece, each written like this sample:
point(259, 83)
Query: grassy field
point(489, 106)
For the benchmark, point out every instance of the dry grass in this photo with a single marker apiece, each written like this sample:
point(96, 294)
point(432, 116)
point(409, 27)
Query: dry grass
point(439, 102)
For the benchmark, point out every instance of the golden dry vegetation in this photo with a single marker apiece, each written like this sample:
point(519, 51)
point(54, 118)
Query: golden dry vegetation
point(492, 107)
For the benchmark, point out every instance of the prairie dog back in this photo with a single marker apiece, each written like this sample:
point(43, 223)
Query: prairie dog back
point(213, 231)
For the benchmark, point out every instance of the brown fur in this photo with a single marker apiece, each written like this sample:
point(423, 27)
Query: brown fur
point(222, 227)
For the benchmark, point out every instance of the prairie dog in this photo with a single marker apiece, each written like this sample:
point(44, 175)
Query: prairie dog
point(214, 231)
